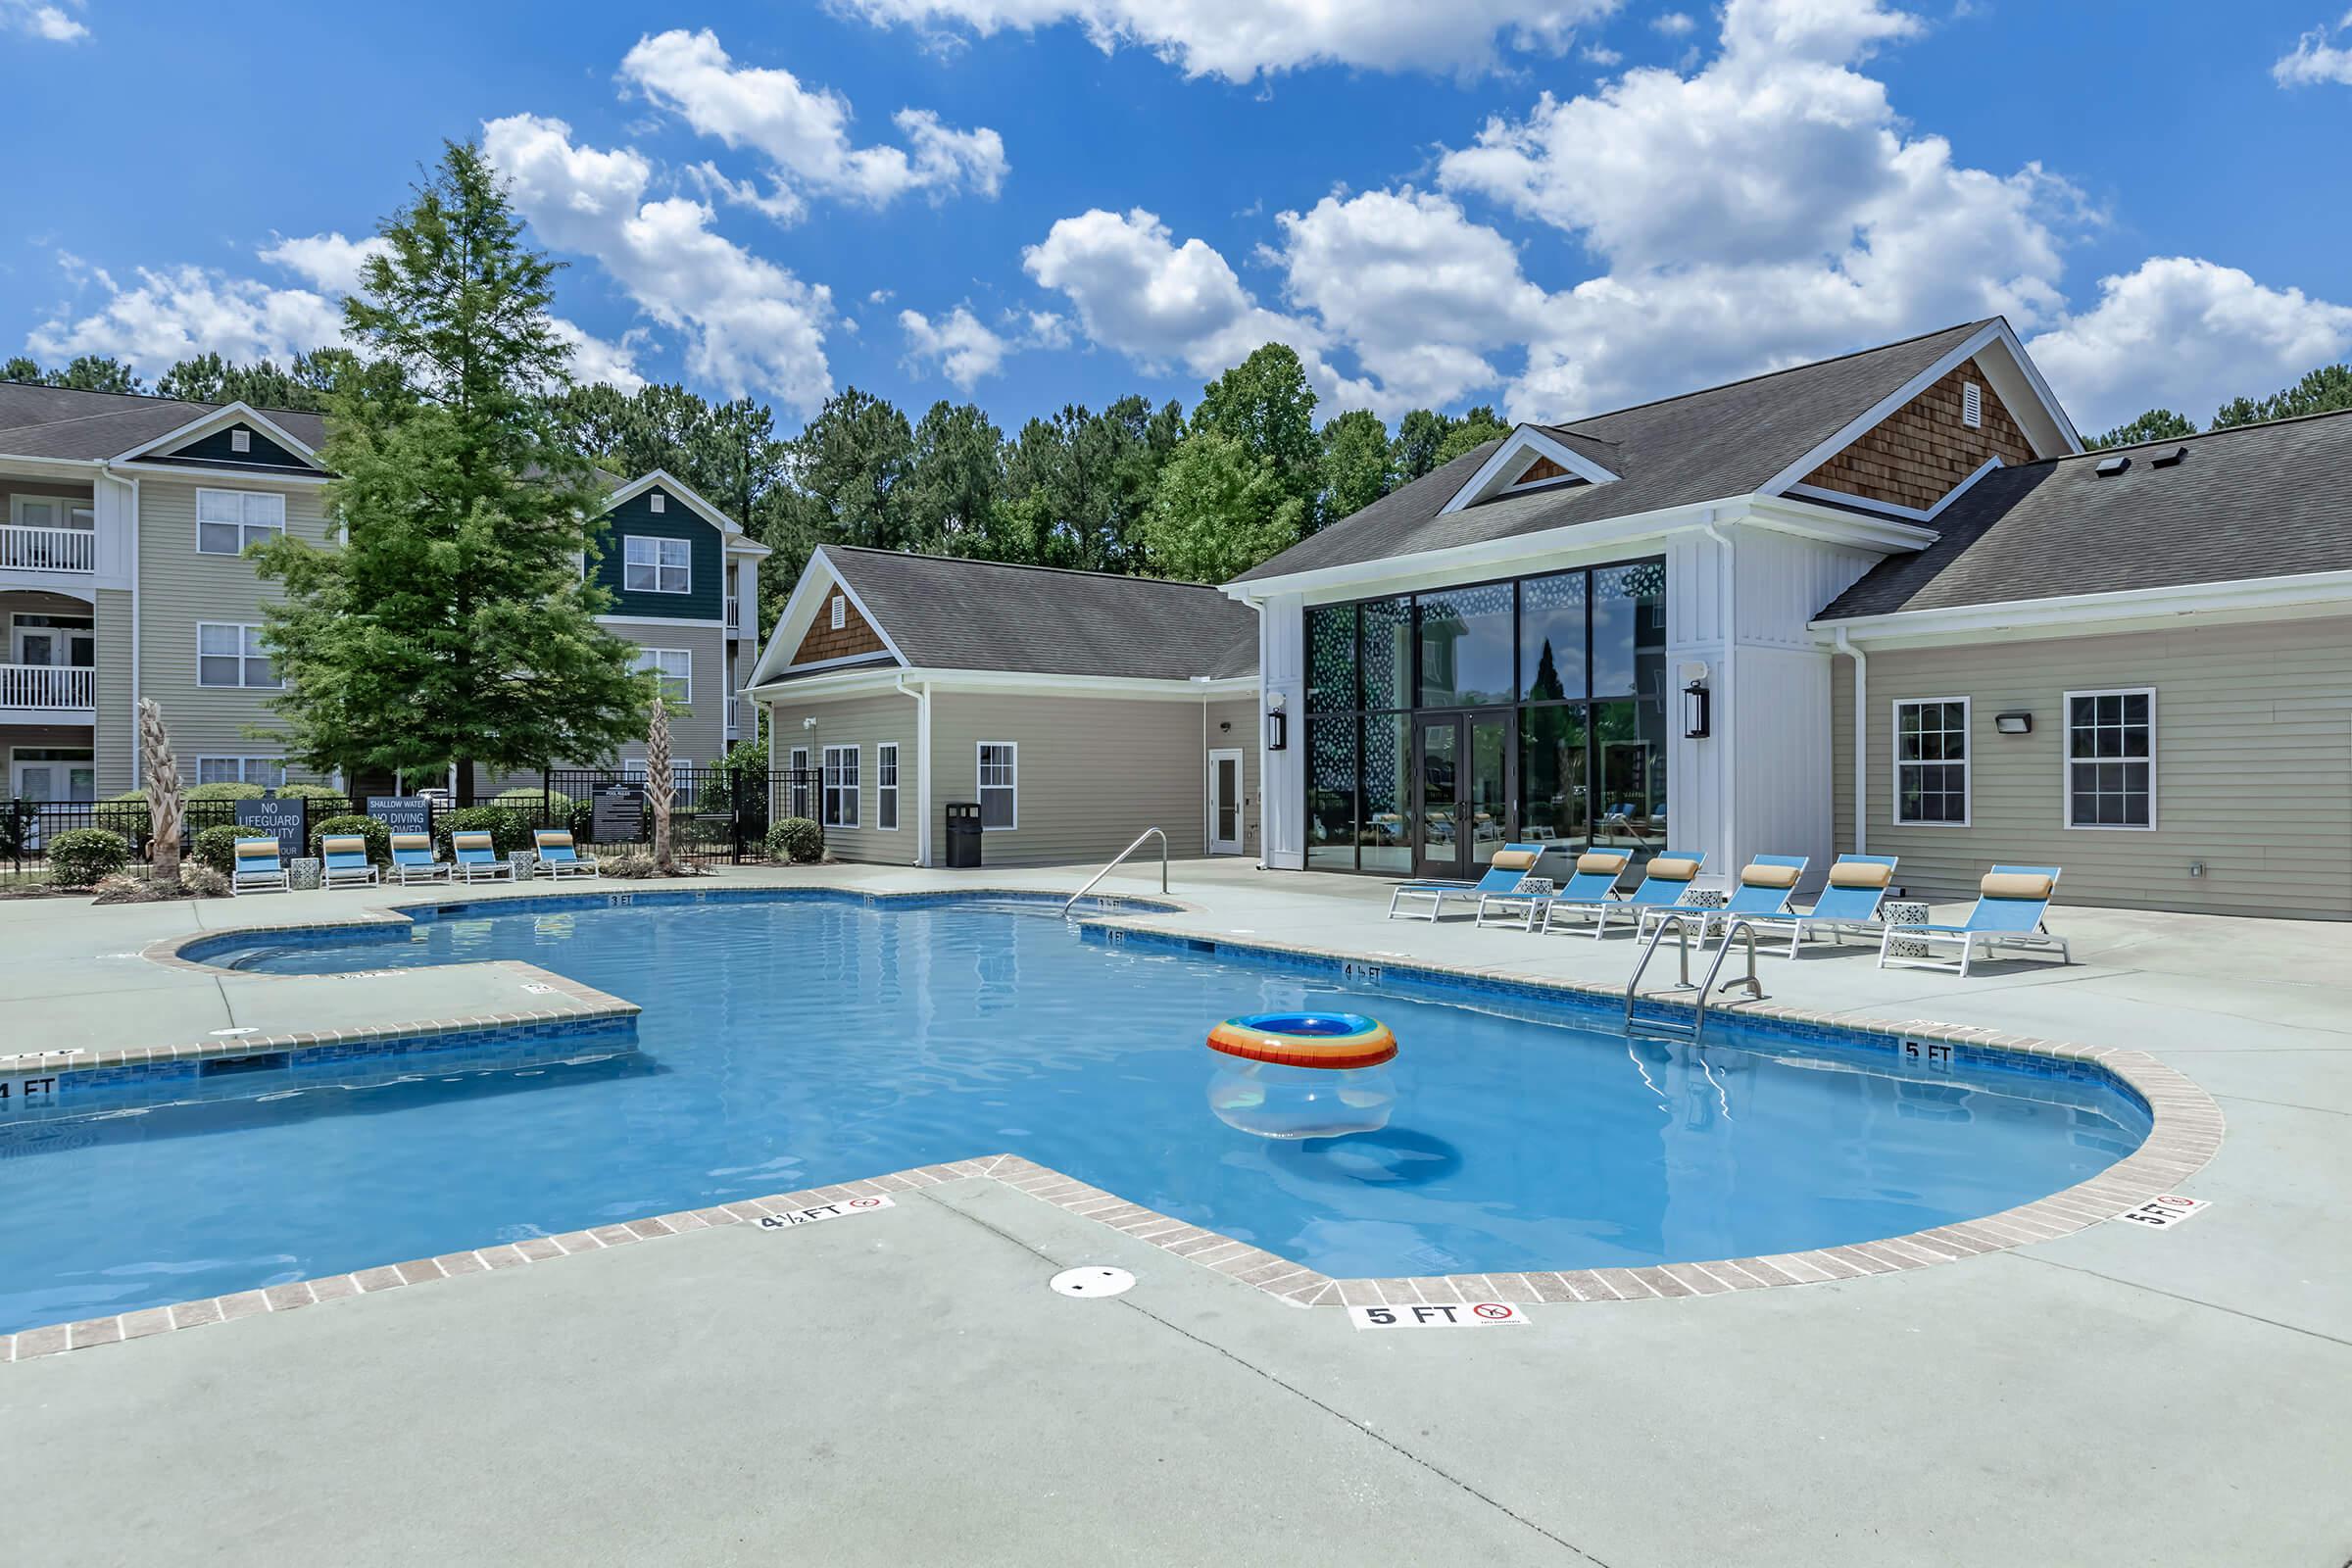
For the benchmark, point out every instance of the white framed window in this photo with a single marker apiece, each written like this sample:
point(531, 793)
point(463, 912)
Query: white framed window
point(270, 773)
point(999, 785)
point(231, 654)
point(1972, 405)
point(657, 503)
point(841, 786)
point(675, 666)
point(240, 439)
point(840, 610)
point(651, 566)
point(1931, 761)
point(227, 520)
point(798, 784)
point(885, 786)
point(2111, 759)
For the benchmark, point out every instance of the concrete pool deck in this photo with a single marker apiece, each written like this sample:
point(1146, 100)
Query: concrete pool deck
point(901, 1386)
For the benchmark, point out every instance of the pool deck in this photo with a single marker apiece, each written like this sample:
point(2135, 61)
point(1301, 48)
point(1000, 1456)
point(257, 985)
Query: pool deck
point(900, 1386)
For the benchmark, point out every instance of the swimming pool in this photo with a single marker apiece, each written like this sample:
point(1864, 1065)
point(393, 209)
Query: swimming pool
point(798, 1040)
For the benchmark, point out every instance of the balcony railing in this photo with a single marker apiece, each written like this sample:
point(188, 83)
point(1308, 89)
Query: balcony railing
point(48, 549)
point(59, 687)
point(734, 613)
point(733, 733)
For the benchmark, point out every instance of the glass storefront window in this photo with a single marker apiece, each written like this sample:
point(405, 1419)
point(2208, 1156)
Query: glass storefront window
point(1331, 659)
point(1388, 653)
point(1388, 829)
point(1628, 629)
point(1551, 637)
point(1629, 739)
point(1331, 752)
point(1466, 646)
point(1555, 804)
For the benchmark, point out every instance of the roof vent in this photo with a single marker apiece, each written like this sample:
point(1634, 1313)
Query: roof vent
point(2166, 460)
point(1972, 405)
point(2109, 467)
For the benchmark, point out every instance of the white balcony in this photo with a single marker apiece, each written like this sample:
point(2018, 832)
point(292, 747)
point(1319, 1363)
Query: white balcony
point(60, 550)
point(733, 732)
point(734, 612)
point(48, 688)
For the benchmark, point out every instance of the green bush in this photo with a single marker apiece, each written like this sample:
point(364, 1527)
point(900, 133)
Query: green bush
point(798, 839)
point(509, 831)
point(378, 835)
point(80, 856)
point(126, 797)
point(221, 792)
point(311, 792)
point(526, 798)
point(215, 847)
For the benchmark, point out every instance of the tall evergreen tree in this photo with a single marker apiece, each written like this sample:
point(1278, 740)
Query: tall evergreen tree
point(302, 385)
point(2157, 424)
point(2322, 391)
point(454, 625)
point(957, 480)
point(1419, 435)
point(86, 373)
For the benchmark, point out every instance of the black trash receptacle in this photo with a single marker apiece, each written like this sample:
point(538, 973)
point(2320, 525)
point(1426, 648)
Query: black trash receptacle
point(963, 833)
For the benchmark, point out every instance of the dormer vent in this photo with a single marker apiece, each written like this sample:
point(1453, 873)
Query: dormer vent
point(2109, 467)
point(240, 439)
point(1972, 405)
point(2167, 460)
point(656, 502)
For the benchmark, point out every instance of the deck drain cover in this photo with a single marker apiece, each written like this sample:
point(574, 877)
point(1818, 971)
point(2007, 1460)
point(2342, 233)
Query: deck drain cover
point(1094, 1280)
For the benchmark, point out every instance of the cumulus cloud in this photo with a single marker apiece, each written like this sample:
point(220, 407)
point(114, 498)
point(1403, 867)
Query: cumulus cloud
point(173, 313)
point(328, 261)
point(2318, 58)
point(748, 325)
point(959, 343)
point(1242, 39)
point(1675, 23)
point(40, 19)
point(804, 132)
point(2185, 334)
point(595, 358)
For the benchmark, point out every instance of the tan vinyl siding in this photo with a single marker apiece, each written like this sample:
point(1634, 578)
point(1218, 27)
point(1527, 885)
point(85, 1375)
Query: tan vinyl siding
point(180, 587)
point(2253, 768)
point(1093, 773)
point(866, 723)
point(695, 734)
point(114, 740)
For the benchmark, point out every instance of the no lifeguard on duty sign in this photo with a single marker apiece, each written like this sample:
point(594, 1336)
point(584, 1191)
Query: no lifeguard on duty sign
point(1446, 1315)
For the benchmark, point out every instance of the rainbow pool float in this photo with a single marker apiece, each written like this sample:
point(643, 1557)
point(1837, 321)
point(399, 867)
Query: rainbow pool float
point(1302, 1074)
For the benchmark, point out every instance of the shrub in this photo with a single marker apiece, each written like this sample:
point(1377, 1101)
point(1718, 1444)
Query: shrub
point(219, 792)
point(127, 887)
point(509, 831)
point(215, 847)
point(628, 863)
point(313, 791)
point(82, 856)
point(378, 835)
point(129, 796)
point(202, 881)
point(798, 839)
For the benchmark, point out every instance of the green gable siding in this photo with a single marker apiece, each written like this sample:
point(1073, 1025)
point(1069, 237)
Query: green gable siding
point(266, 452)
point(636, 515)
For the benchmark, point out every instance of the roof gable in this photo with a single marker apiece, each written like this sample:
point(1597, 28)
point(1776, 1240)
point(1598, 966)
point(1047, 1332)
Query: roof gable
point(210, 441)
point(661, 481)
point(1530, 454)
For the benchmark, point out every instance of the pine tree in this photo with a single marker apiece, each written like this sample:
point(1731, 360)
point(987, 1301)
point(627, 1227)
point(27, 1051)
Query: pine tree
point(456, 623)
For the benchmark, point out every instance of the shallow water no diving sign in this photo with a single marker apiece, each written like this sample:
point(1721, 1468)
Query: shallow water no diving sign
point(1468, 1315)
point(809, 1216)
point(2162, 1213)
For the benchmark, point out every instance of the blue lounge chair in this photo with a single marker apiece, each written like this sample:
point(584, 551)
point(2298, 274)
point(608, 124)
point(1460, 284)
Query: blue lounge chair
point(1765, 888)
point(1667, 882)
point(1593, 880)
point(1850, 902)
point(1511, 863)
point(414, 860)
point(2012, 902)
point(258, 868)
point(346, 861)
point(478, 859)
point(558, 858)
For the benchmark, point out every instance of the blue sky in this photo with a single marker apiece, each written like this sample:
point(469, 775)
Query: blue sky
point(1556, 206)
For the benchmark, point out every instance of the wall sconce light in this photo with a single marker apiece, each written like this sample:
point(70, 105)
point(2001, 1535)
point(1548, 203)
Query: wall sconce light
point(1224, 727)
point(1278, 730)
point(2018, 722)
point(1695, 711)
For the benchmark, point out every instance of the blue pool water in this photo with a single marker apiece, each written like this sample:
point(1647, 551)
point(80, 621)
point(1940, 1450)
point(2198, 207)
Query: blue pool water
point(794, 1044)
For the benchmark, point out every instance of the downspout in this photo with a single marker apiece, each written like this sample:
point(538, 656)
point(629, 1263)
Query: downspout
point(138, 764)
point(922, 765)
point(1731, 638)
point(1854, 650)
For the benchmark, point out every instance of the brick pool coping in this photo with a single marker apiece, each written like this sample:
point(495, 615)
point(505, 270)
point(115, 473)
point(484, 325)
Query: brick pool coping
point(2184, 1132)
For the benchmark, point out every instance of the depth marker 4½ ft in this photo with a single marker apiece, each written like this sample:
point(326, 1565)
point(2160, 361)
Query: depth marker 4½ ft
point(821, 1212)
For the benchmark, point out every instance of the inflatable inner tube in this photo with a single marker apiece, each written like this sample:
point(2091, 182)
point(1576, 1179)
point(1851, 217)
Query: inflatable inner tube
point(1306, 1039)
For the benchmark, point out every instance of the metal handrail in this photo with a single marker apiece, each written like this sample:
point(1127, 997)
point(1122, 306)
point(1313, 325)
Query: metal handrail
point(1707, 986)
point(1679, 925)
point(1150, 832)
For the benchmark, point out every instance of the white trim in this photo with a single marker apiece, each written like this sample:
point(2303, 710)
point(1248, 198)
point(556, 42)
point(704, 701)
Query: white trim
point(884, 678)
point(891, 827)
point(2317, 592)
point(242, 759)
point(695, 504)
point(851, 790)
point(1241, 827)
point(657, 565)
point(242, 526)
point(799, 614)
point(980, 789)
point(1814, 491)
point(814, 664)
point(240, 684)
point(226, 413)
point(2066, 761)
point(659, 620)
point(1531, 443)
point(1897, 765)
point(797, 765)
point(641, 667)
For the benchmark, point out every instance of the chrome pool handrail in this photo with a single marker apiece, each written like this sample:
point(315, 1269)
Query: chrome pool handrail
point(1146, 833)
point(1706, 988)
point(1679, 924)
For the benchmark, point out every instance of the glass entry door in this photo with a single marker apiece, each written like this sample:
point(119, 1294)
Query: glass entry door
point(1462, 772)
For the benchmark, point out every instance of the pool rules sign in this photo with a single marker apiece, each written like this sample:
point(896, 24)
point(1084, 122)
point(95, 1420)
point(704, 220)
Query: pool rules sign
point(1438, 1315)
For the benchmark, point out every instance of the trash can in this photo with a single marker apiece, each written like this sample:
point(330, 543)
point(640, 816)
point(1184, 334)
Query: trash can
point(963, 833)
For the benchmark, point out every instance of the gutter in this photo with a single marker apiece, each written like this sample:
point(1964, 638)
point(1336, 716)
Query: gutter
point(922, 766)
point(1854, 650)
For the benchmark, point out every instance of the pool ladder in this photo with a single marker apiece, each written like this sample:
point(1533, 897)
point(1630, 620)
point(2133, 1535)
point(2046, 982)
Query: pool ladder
point(1679, 925)
point(1140, 839)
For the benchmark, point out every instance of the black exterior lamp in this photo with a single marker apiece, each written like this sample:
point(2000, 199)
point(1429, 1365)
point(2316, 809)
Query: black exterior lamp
point(1278, 730)
point(2014, 722)
point(1695, 711)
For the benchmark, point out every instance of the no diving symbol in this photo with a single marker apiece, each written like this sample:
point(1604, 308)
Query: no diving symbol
point(865, 1202)
point(1492, 1311)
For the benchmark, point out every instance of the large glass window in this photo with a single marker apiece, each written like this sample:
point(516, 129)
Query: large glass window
point(1330, 659)
point(1388, 653)
point(1628, 629)
point(1331, 774)
point(1629, 739)
point(1466, 646)
point(1387, 827)
point(1551, 637)
point(2111, 759)
point(1555, 804)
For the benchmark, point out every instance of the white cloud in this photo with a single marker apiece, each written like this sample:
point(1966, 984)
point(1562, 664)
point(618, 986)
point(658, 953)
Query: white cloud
point(53, 22)
point(1675, 23)
point(175, 313)
point(959, 342)
point(2188, 335)
point(2316, 58)
point(804, 132)
point(1242, 39)
point(748, 324)
point(594, 359)
point(328, 261)
point(1600, 55)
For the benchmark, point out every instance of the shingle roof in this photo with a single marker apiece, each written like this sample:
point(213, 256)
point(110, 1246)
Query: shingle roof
point(52, 421)
point(1701, 446)
point(2255, 500)
point(951, 614)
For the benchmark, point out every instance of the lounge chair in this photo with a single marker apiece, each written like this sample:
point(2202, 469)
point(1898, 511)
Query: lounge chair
point(1593, 880)
point(1850, 902)
point(346, 861)
point(1765, 888)
point(1667, 882)
point(477, 858)
point(558, 858)
point(414, 860)
point(258, 868)
point(1511, 863)
point(2012, 902)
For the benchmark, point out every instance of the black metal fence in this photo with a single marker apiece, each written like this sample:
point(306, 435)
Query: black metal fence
point(29, 827)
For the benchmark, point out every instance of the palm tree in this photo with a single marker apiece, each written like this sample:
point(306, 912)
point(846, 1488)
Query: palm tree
point(165, 808)
point(657, 784)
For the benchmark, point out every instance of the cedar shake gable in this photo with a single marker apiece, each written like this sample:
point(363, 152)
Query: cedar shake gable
point(1920, 453)
point(853, 638)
